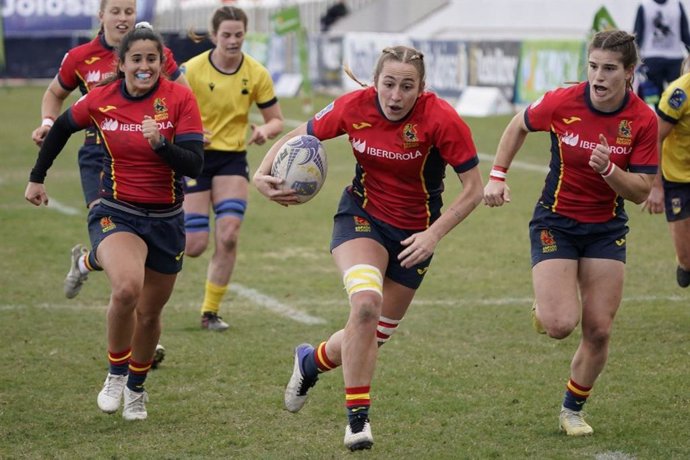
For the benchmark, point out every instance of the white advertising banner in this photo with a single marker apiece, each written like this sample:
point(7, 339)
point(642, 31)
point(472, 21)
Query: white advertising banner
point(362, 50)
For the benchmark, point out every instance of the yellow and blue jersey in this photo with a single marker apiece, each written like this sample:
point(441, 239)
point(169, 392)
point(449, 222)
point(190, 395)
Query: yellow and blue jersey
point(226, 98)
point(674, 107)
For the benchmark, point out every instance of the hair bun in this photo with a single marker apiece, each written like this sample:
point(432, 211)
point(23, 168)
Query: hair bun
point(143, 25)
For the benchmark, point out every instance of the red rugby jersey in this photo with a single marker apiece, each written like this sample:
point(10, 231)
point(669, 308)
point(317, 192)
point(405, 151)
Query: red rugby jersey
point(572, 188)
point(400, 164)
point(86, 65)
point(132, 171)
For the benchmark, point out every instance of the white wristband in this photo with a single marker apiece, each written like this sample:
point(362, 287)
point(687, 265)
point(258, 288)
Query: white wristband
point(49, 122)
point(609, 170)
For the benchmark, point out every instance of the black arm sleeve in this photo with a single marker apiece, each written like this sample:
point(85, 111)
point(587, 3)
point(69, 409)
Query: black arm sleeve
point(53, 144)
point(186, 158)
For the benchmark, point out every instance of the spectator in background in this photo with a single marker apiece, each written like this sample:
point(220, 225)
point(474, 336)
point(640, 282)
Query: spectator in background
point(661, 30)
point(671, 188)
point(336, 11)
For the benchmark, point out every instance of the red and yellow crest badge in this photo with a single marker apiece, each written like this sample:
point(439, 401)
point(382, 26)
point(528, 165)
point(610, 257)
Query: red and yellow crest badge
point(624, 136)
point(410, 139)
point(160, 108)
point(361, 224)
point(548, 242)
point(107, 224)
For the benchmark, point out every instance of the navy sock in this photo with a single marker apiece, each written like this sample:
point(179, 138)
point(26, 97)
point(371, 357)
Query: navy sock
point(309, 365)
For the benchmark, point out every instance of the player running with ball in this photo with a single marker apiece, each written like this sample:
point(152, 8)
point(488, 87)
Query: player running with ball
point(388, 221)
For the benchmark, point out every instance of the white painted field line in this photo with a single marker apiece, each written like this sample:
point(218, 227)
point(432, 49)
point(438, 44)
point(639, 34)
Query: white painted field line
point(464, 302)
point(275, 305)
point(288, 311)
point(614, 455)
point(252, 295)
point(62, 208)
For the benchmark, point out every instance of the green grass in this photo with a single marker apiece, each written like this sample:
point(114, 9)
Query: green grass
point(464, 377)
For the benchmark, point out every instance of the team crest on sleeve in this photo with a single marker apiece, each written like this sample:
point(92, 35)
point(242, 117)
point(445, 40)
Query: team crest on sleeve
point(410, 139)
point(624, 133)
point(160, 109)
point(677, 99)
point(324, 111)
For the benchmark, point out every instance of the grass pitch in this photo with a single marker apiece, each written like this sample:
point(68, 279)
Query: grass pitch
point(464, 377)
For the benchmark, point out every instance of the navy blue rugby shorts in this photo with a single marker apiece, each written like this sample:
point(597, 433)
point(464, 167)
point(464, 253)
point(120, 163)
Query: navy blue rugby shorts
point(553, 236)
point(352, 222)
point(676, 200)
point(218, 163)
point(163, 232)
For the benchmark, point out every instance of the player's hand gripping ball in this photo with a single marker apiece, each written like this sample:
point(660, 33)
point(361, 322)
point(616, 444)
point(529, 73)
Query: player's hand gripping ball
point(301, 161)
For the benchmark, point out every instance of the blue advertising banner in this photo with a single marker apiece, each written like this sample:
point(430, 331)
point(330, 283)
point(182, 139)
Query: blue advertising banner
point(446, 65)
point(37, 18)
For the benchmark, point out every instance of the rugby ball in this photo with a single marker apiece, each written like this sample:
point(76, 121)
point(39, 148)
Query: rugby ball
point(301, 161)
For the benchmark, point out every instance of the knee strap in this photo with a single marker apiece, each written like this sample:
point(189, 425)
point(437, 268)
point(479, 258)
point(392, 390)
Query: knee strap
point(196, 223)
point(230, 208)
point(363, 277)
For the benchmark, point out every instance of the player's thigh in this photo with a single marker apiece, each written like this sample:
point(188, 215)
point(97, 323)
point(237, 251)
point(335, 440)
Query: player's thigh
point(358, 251)
point(601, 287)
point(229, 187)
point(680, 234)
point(556, 289)
point(197, 202)
point(157, 290)
point(123, 257)
point(396, 299)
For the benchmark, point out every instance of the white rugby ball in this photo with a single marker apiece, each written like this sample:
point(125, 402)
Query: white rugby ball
point(301, 161)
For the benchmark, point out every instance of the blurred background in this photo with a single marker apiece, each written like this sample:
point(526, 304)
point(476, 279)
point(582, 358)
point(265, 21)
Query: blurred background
point(506, 52)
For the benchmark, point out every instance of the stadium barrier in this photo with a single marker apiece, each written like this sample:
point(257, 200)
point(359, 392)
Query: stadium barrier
point(521, 70)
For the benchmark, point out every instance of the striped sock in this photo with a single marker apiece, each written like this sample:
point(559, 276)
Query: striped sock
point(575, 396)
point(137, 375)
point(316, 362)
point(357, 402)
point(118, 362)
point(321, 359)
point(385, 328)
point(89, 263)
point(212, 296)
